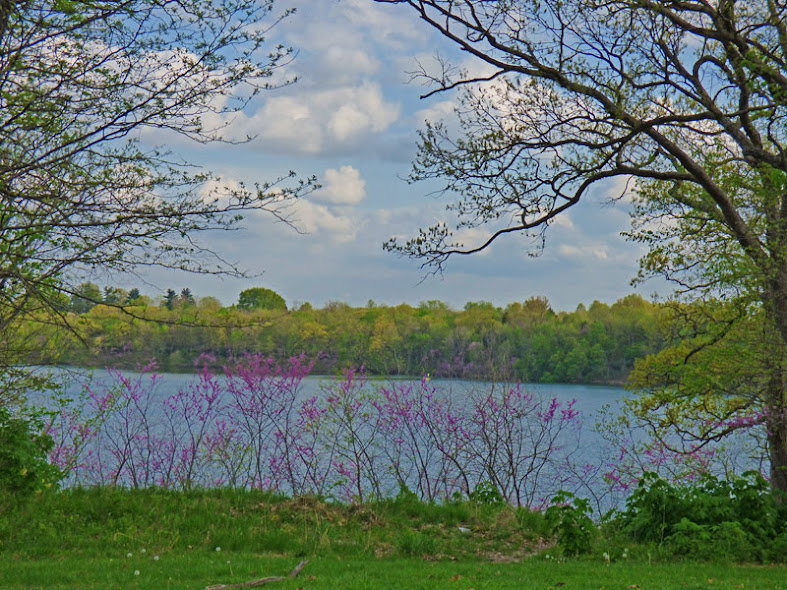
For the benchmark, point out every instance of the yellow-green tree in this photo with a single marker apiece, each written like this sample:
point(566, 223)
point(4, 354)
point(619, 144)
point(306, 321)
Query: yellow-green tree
point(683, 102)
point(80, 82)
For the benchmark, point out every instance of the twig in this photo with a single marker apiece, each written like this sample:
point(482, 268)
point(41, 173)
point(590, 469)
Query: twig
point(261, 581)
point(297, 569)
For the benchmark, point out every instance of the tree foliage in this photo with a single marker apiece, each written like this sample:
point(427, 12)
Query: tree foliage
point(682, 102)
point(87, 91)
point(84, 297)
point(710, 379)
point(595, 345)
point(24, 468)
point(260, 298)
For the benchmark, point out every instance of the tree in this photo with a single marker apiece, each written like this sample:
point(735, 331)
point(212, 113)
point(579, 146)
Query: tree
point(170, 299)
point(709, 382)
point(85, 297)
point(682, 101)
point(186, 298)
point(84, 85)
point(260, 298)
point(209, 304)
point(114, 296)
point(532, 312)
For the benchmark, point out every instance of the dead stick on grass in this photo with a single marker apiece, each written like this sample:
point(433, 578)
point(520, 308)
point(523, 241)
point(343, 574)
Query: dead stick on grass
point(261, 581)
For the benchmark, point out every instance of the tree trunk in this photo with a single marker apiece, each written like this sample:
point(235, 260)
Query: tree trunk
point(6, 8)
point(777, 446)
point(776, 395)
point(776, 424)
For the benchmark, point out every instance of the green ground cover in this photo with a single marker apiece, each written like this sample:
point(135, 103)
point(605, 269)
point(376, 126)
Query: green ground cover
point(196, 570)
point(115, 538)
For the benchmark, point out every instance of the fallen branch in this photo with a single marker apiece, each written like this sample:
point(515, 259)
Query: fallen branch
point(261, 581)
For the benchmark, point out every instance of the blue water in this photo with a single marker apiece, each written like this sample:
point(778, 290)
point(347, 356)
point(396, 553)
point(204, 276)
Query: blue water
point(589, 398)
point(583, 450)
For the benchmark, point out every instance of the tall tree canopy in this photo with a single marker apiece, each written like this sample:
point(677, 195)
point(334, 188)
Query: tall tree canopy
point(261, 298)
point(684, 100)
point(87, 89)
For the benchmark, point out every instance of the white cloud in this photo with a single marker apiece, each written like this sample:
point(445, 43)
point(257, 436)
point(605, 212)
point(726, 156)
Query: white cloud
point(390, 26)
point(329, 214)
point(218, 188)
point(342, 42)
point(349, 61)
point(334, 53)
point(322, 222)
point(589, 251)
point(621, 188)
point(320, 123)
point(563, 221)
point(343, 186)
point(439, 111)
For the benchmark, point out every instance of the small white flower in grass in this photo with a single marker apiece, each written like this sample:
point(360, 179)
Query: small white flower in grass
point(129, 554)
point(143, 550)
point(155, 558)
point(136, 572)
point(218, 548)
point(606, 556)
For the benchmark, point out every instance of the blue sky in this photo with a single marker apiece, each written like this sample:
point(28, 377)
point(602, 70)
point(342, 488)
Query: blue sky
point(351, 120)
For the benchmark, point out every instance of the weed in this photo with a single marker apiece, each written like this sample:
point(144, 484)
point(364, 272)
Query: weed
point(569, 518)
point(416, 543)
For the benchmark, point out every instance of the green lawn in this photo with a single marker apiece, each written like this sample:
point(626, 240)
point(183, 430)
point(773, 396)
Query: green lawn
point(197, 569)
point(114, 539)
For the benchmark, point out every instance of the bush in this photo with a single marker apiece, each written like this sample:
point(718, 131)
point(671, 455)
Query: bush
point(726, 540)
point(736, 520)
point(24, 468)
point(569, 519)
point(486, 493)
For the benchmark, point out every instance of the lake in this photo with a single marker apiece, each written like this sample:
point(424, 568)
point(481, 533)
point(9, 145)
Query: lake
point(351, 438)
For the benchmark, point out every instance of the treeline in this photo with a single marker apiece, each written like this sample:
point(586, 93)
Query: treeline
point(525, 341)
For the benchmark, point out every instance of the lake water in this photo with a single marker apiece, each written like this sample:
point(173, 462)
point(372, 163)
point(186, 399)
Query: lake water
point(436, 438)
point(588, 398)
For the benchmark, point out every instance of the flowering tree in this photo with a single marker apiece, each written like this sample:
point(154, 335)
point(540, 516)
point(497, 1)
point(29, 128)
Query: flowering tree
point(253, 427)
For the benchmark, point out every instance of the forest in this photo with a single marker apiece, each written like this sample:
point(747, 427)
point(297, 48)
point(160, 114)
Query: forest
point(526, 341)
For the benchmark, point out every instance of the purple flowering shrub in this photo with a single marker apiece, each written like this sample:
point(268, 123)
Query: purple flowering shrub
point(254, 427)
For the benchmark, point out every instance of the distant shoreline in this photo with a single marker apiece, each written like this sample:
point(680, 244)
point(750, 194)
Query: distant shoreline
point(372, 378)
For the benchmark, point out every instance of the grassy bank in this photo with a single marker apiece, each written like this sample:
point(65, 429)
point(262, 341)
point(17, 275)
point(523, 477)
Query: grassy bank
point(106, 522)
point(105, 538)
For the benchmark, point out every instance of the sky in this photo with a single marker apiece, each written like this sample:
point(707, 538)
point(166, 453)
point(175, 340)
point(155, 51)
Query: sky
point(352, 119)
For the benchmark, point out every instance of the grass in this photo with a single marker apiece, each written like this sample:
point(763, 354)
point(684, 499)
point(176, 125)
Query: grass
point(101, 538)
point(198, 569)
point(96, 522)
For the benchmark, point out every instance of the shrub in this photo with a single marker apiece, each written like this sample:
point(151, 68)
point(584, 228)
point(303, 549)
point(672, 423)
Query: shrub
point(569, 519)
point(715, 519)
point(486, 493)
point(24, 468)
